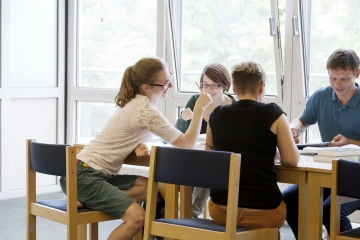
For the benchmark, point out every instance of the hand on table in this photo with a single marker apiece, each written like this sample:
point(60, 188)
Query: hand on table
point(339, 140)
point(142, 151)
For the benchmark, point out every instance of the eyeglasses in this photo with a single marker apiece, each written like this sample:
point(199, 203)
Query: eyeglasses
point(165, 84)
point(210, 86)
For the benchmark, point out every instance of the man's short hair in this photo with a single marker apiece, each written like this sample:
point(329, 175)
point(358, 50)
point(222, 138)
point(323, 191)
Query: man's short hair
point(343, 59)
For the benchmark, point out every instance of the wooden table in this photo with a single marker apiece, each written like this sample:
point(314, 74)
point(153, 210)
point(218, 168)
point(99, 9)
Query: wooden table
point(310, 176)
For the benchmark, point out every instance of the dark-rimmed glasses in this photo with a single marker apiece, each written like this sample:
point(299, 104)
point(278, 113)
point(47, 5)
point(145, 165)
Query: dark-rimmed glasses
point(165, 84)
point(210, 86)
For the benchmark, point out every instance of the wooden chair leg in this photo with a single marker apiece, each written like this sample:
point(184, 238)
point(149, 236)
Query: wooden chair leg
point(94, 231)
point(72, 231)
point(82, 232)
point(31, 227)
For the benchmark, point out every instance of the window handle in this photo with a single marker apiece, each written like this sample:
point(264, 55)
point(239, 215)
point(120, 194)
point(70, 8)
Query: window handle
point(295, 23)
point(272, 26)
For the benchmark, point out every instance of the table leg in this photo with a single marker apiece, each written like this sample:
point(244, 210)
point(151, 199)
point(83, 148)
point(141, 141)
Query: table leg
point(314, 207)
point(302, 183)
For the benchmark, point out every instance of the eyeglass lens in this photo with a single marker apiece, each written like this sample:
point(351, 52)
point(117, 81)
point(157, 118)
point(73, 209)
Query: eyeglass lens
point(208, 86)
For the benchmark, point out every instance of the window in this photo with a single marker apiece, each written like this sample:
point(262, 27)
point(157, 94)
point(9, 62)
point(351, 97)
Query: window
point(326, 27)
point(109, 37)
point(333, 25)
point(91, 118)
point(227, 32)
point(112, 36)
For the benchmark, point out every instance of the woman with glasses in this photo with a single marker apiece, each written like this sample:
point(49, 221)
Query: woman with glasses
point(255, 130)
point(135, 121)
point(214, 80)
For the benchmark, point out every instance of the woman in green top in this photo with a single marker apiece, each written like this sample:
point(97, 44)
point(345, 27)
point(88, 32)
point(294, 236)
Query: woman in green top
point(215, 80)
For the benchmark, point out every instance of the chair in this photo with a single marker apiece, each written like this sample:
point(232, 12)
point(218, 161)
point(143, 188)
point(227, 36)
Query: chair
point(58, 160)
point(345, 187)
point(219, 170)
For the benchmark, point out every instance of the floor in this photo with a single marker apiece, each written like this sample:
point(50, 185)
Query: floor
point(13, 215)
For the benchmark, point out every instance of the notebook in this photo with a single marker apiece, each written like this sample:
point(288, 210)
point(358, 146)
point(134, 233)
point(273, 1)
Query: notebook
point(346, 150)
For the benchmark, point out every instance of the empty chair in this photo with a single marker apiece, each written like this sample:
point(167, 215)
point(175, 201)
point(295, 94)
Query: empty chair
point(345, 187)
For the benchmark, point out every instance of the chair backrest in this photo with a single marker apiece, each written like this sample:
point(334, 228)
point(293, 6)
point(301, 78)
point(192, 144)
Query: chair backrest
point(48, 158)
point(348, 178)
point(191, 167)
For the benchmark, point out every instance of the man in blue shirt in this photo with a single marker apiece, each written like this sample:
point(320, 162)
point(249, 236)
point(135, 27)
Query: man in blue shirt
point(336, 109)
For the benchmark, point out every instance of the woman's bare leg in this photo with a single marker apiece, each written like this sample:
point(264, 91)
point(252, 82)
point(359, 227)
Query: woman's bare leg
point(138, 189)
point(134, 218)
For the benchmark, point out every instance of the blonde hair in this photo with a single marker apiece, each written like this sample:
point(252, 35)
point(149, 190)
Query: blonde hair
point(247, 76)
point(142, 72)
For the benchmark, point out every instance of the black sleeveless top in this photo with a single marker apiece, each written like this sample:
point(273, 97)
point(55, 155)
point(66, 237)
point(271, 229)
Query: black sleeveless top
point(244, 127)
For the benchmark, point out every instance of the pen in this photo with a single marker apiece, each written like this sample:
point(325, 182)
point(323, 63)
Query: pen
point(198, 87)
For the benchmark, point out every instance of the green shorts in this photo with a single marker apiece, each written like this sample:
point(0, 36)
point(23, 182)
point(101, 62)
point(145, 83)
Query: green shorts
point(102, 191)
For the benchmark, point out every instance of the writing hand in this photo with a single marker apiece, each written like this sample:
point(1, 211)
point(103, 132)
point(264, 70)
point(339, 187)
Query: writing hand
point(187, 114)
point(142, 151)
point(339, 140)
point(295, 135)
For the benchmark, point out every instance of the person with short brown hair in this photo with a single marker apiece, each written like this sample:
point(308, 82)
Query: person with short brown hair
point(336, 110)
point(255, 130)
point(214, 80)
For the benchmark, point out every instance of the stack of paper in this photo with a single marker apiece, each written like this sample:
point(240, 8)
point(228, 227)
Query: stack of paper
point(327, 154)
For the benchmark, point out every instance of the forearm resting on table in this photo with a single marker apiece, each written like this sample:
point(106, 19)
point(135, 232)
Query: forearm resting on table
point(356, 142)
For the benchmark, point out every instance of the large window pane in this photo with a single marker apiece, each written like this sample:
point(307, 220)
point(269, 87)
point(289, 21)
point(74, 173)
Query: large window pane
point(114, 35)
point(333, 25)
point(91, 118)
point(225, 31)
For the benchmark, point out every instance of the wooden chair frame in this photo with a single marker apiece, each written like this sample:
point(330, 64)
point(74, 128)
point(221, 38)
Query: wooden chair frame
point(76, 221)
point(175, 229)
point(337, 200)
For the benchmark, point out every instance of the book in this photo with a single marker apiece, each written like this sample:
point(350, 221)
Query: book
point(320, 158)
point(346, 150)
point(313, 150)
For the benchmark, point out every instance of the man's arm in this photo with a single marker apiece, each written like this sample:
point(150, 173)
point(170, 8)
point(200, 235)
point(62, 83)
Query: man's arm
point(297, 127)
point(340, 140)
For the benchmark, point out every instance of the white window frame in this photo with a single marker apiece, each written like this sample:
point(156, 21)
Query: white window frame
point(179, 99)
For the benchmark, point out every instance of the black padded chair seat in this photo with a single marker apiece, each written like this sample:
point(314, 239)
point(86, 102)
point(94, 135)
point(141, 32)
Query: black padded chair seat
point(60, 204)
point(199, 223)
